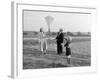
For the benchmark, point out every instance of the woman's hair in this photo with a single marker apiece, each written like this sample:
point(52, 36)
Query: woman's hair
point(41, 29)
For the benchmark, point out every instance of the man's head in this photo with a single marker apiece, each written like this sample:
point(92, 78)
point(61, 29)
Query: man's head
point(61, 30)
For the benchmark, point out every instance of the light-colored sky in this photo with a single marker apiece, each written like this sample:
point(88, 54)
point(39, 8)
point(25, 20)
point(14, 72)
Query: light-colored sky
point(34, 20)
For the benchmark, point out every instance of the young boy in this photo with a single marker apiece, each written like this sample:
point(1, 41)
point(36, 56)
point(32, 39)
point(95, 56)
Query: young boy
point(68, 49)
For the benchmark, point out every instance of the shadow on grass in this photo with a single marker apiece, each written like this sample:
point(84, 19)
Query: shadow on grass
point(40, 65)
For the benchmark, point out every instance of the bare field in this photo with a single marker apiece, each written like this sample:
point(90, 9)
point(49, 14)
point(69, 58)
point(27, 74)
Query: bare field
point(34, 59)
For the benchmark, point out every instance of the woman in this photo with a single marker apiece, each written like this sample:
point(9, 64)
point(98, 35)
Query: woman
point(43, 41)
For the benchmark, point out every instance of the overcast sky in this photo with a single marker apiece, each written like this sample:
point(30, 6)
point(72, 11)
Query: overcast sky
point(34, 20)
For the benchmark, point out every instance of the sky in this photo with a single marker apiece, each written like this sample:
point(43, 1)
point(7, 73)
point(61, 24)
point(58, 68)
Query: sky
point(73, 22)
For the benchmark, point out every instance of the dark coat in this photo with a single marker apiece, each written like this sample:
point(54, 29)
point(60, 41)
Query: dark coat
point(67, 44)
point(60, 38)
point(68, 49)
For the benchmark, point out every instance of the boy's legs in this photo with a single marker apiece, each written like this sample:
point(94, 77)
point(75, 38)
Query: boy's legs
point(69, 55)
point(68, 59)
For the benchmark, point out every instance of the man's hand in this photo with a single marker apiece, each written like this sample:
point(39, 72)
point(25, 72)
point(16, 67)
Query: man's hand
point(62, 44)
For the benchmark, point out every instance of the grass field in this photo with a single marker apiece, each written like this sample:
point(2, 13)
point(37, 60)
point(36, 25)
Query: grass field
point(34, 59)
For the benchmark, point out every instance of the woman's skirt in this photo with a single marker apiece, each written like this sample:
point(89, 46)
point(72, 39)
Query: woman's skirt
point(43, 45)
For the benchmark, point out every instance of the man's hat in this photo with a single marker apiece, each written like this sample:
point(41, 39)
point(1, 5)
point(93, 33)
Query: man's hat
point(61, 29)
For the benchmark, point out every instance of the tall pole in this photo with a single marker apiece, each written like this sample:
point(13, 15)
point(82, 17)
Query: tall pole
point(49, 28)
point(49, 20)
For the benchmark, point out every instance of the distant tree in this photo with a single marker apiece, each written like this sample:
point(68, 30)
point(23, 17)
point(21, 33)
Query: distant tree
point(35, 33)
point(54, 33)
point(89, 33)
point(64, 33)
point(25, 33)
point(69, 33)
point(78, 33)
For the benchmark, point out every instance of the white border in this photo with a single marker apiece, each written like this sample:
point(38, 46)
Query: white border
point(17, 61)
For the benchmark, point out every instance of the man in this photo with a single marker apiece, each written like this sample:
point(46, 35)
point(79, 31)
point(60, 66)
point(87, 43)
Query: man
point(59, 38)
